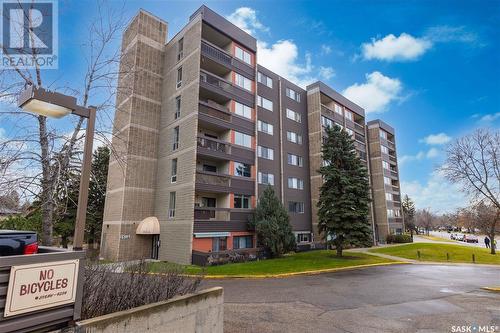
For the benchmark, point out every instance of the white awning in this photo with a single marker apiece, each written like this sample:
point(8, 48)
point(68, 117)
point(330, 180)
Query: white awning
point(148, 226)
point(211, 234)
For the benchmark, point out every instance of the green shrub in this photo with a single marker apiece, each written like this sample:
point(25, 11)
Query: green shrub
point(399, 239)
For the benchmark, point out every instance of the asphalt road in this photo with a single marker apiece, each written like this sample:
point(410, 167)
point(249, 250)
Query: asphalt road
point(446, 235)
point(402, 298)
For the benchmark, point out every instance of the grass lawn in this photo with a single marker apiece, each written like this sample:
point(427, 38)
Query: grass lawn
point(298, 262)
point(437, 252)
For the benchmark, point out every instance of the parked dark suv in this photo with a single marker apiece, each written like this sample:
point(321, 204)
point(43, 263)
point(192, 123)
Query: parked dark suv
point(15, 242)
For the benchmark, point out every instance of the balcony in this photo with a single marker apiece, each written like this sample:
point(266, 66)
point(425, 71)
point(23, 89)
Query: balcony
point(359, 128)
point(211, 219)
point(327, 112)
point(220, 56)
point(395, 220)
point(221, 183)
point(391, 173)
point(218, 85)
point(214, 148)
point(221, 118)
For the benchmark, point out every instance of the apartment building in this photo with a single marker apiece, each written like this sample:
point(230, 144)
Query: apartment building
point(384, 176)
point(201, 130)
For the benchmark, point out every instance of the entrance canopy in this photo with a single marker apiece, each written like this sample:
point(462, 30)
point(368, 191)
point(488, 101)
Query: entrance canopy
point(148, 226)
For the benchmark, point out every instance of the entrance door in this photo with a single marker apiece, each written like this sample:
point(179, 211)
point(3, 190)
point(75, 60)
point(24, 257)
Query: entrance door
point(155, 247)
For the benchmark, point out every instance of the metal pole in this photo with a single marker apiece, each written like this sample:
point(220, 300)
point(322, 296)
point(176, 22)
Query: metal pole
point(83, 194)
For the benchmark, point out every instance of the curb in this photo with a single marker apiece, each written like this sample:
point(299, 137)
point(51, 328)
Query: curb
point(492, 289)
point(285, 275)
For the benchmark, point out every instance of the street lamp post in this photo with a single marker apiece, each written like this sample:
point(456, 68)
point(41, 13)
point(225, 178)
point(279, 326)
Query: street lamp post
point(55, 105)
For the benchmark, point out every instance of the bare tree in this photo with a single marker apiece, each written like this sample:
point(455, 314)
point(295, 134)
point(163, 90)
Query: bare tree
point(474, 162)
point(425, 219)
point(35, 155)
point(486, 217)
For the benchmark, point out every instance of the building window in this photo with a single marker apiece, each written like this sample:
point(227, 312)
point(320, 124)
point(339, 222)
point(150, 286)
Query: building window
point(173, 177)
point(177, 107)
point(295, 116)
point(175, 144)
point(243, 110)
point(241, 201)
point(338, 109)
point(264, 152)
point(386, 165)
point(294, 137)
point(180, 49)
point(208, 202)
point(241, 139)
point(383, 134)
point(171, 205)
point(326, 122)
point(348, 115)
point(295, 207)
point(219, 244)
point(388, 197)
point(265, 178)
point(241, 169)
point(265, 80)
point(209, 168)
point(304, 238)
point(387, 181)
point(243, 55)
point(265, 127)
point(293, 94)
point(242, 242)
point(264, 103)
point(295, 183)
point(384, 149)
point(179, 77)
point(243, 82)
point(295, 160)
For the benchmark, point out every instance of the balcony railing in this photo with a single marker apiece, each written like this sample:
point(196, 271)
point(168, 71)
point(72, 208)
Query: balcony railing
point(212, 179)
point(215, 53)
point(216, 110)
point(226, 88)
point(208, 213)
point(332, 114)
point(214, 145)
point(359, 128)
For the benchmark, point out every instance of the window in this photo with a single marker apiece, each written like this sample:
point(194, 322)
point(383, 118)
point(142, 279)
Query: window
point(264, 103)
point(326, 122)
point(384, 149)
point(264, 152)
point(241, 169)
point(265, 127)
point(303, 238)
point(338, 109)
point(388, 197)
point(387, 181)
point(243, 55)
point(241, 139)
point(171, 205)
point(386, 165)
point(265, 178)
point(242, 242)
point(295, 183)
point(383, 134)
point(243, 110)
point(393, 213)
point(173, 177)
point(295, 207)
point(293, 94)
point(177, 107)
point(209, 168)
point(295, 160)
point(175, 144)
point(294, 137)
point(180, 49)
point(290, 114)
point(243, 82)
point(208, 202)
point(348, 115)
point(179, 77)
point(241, 201)
point(219, 244)
point(265, 80)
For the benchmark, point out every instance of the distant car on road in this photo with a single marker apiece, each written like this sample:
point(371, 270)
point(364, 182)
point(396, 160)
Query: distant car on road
point(15, 242)
point(458, 237)
point(471, 239)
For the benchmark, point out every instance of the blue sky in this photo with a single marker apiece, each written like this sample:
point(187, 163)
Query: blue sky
point(429, 68)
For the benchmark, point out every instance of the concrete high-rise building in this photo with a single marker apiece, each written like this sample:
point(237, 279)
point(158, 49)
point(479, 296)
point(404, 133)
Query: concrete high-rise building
point(202, 130)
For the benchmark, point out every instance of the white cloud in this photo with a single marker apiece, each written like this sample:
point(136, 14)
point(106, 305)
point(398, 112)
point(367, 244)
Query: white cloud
point(421, 155)
point(446, 34)
point(488, 118)
point(436, 139)
point(326, 72)
point(376, 94)
point(325, 49)
point(392, 48)
point(436, 194)
point(432, 153)
point(245, 18)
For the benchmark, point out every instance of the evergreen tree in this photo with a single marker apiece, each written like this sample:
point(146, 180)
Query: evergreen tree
point(344, 199)
point(408, 214)
point(272, 224)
